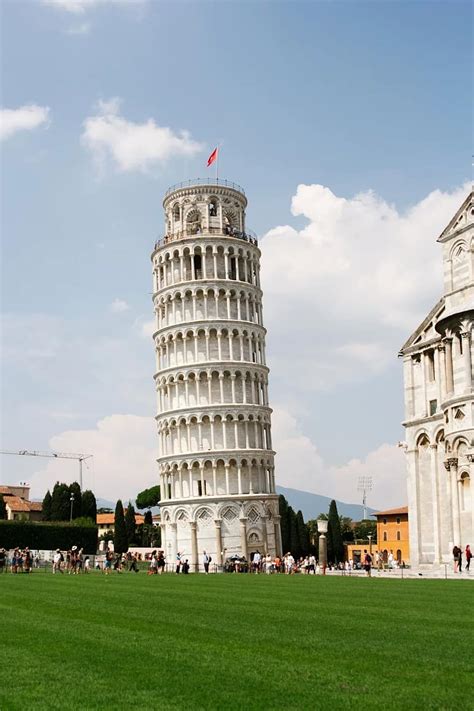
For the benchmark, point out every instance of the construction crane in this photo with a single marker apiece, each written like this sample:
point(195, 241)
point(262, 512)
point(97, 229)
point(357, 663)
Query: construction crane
point(53, 455)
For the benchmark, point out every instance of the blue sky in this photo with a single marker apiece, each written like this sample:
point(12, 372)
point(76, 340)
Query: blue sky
point(352, 96)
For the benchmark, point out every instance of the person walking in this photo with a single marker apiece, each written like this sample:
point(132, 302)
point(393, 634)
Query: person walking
point(206, 559)
point(468, 555)
point(368, 563)
point(456, 552)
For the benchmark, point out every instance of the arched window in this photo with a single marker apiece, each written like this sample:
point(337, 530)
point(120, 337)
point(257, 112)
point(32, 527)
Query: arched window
point(399, 556)
point(398, 535)
point(176, 211)
point(398, 519)
point(385, 535)
point(213, 207)
point(384, 521)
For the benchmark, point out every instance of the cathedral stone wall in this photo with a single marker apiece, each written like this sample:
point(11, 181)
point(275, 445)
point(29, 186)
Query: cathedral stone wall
point(439, 406)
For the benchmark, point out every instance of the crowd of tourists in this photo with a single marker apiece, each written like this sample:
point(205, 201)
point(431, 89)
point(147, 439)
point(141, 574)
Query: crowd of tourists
point(21, 560)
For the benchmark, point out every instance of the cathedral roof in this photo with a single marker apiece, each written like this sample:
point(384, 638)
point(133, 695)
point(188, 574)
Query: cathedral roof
point(459, 221)
point(433, 316)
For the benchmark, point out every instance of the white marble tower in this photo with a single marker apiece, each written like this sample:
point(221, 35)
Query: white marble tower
point(439, 406)
point(216, 461)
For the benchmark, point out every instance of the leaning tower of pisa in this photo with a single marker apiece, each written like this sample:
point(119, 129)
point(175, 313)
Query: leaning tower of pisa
point(216, 461)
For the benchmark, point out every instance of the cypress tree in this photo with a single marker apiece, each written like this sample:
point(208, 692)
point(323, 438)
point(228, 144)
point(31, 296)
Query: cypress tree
point(294, 539)
point(284, 524)
point(46, 510)
point(130, 523)
point(75, 489)
point(148, 518)
point(3, 508)
point(335, 534)
point(89, 505)
point(303, 534)
point(60, 502)
point(120, 534)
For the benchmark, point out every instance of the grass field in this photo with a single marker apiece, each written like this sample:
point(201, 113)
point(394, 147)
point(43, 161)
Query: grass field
point(234, 642)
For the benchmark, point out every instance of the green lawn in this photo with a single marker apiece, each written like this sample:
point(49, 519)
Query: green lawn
point(234, 642)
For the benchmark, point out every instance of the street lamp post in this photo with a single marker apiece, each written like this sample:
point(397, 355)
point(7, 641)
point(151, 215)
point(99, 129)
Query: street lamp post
point(322, 530)
point(72, 502)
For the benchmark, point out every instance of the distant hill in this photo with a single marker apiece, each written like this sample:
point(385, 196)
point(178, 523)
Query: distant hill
point(313, 504)
point(310, 504)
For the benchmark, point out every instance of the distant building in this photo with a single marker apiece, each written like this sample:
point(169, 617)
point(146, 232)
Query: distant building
point(393, 534)
point(439, 406)
point(106, 522)
point(18, 504)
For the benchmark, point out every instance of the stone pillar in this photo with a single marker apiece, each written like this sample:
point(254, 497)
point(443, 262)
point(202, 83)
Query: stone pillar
point(448, 342)
point(243, 537)
point(322, 556)
point(264, 534)
point(163, 536)
point(466, 356)
point(414, 507)
point(451, 465)
point(435, 497)
point(442, 371)
point(174, 545)
point(278, 542)
point(218, 523)
point(194, 547)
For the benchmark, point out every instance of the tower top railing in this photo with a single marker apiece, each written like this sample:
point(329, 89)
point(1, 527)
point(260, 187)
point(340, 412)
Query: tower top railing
point(219, 182)
point(247, 236)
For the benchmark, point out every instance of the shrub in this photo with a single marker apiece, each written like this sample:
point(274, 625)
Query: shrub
point(48, 536)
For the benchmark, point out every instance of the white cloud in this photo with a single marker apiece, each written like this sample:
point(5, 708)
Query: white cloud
point(125, 453)
point(118, 306)
point(124, 461)
point(78, 7)
point(344, 292)
point(25, 118)
point(132, 146)
point(83, 29)
point(300, 466)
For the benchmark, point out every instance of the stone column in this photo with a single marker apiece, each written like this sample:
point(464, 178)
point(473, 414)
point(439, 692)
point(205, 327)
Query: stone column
point(322, 556)
point(218, 523)
point(163, 536)
point(243, 537)
point(414, 507)
point(264, 534)
point(174, 545)
point(451, 465)
point(278, 542)
point(448, 342)
point(466, 356)
point(194, 547)
point(442, 371)
point(435, 497)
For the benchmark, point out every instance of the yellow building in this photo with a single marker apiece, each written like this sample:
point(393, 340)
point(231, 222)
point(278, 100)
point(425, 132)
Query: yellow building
point(392, 534)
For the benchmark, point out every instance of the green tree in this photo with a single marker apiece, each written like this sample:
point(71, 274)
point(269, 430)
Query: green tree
point(294, 539)
point(334, 534)
point(284, 523)
point(312, 526)
point(130, 524)
point(364, 528)
point(120, 535)
point(60, 503)
point(89, 505)
point(3, 508)
point(148, 518)
point(347, 530)
point(46, 509)
point(75, 490)
point(148, 498)
point(303, 534)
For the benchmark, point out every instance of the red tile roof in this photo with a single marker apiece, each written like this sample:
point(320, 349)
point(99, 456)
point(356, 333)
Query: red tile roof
point(108, 519)
point(392, 512)
point(16, 504)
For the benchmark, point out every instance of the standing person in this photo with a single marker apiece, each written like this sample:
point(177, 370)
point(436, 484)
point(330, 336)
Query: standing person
point(368, 563)
point(87, 564)
point(468, 555)
point(161, 562)
point(3, 560)
point(108, 561)
point(27, 560)
point(134, 563)
point(178, 563)
point(456, 558)
point(205, 561)
point(257, 558)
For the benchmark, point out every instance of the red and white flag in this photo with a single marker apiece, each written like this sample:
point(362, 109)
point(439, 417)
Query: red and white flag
point(212, 157)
